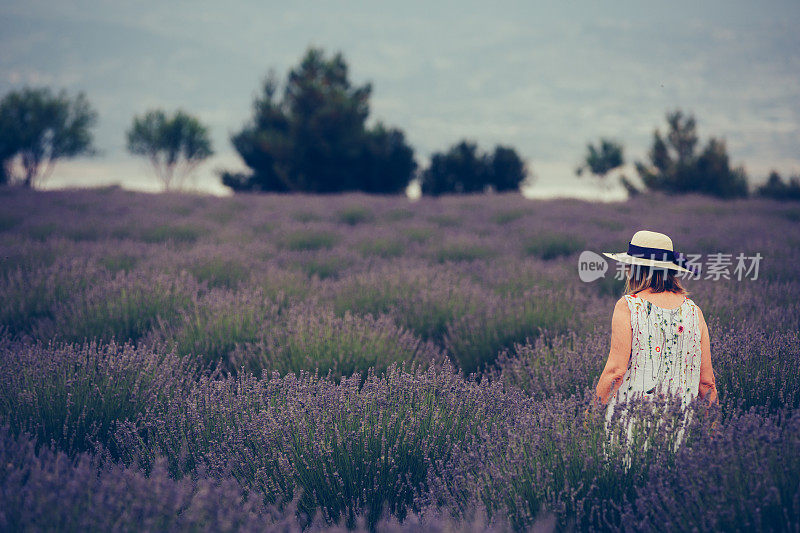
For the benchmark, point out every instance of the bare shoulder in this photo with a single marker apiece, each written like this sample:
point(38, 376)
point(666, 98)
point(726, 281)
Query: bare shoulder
point(699, 311)
point(621, 310)
point(700, 316)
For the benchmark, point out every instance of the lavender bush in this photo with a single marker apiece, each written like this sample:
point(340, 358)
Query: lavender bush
point(50, 491)
point(125, 307)
point(217, 322)
point(351, 447)
point(476, 338)
point(315, 339)
point(74, 396)
point(554, 366)
point(745, 479)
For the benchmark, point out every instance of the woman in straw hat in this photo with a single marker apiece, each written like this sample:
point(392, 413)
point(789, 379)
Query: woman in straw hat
point(659, 338)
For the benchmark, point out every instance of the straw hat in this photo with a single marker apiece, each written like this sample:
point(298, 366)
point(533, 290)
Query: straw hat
point(651, 249)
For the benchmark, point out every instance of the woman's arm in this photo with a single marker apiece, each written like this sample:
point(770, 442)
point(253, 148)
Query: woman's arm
point(708, 388)
point(619, 355)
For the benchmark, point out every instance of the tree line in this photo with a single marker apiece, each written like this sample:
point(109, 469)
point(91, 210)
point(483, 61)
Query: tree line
point(311, 135)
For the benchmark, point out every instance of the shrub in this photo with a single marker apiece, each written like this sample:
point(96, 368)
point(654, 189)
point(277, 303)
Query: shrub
point(461, 251)
point(422, 299)
point(553, 366)
point(556, 459)
point(675, 167)
point(355, 446)
point(445, 220)
point(124, 308)
point(310, 240)
point(316, 339)
point(382, 247)
point(399, 214)
point(8, 222)
point(474, 340)
point(353, 215)
point(218, 322)
point(29, 295)
point(755, 458)
point(116, 262)
point(322, 266)
point(508, 216)
point(47, 491)
point(552, 245)
point(219, 272)
point(756, 368)
point(75, 396)
point(463, 169)
point(419, 234)
point(278, 283)
point(778, 189)
point(164, 233)
point(306, 216)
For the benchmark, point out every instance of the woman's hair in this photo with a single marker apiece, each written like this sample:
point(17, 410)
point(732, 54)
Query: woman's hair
point(640, 277)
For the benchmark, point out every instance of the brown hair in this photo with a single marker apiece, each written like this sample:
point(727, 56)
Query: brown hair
point(641, 277)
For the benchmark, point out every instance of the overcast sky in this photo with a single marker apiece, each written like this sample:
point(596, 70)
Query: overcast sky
point(545, 78)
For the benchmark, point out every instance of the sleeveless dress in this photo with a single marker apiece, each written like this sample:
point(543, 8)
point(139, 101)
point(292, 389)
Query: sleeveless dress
point(665, 355)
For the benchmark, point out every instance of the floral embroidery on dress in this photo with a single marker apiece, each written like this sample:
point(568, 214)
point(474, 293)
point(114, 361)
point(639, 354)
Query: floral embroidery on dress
point(665, 352)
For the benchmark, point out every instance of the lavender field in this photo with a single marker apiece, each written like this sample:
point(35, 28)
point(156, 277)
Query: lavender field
point(281, 362)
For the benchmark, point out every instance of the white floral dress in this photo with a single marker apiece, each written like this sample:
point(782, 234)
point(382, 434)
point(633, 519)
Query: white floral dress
point(665, 354)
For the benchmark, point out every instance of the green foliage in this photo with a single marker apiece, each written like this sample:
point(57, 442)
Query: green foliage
point(462, 169)
point(675, 167)
point(354, 215)
point(314, 138)
point(115, 262)
point(8, 222)
point(39, 128)
point(75, 396)
point(461, 251)
point(424, 302)
point(602, 159)
point(475, 340)
point(399, 214)
point(307, 239)
point(219, 272)
point(175, 144)
point(306, 216)
point(124, 308)
point(506, 217)
point(508, 170)
point(417, 234)
point(312, 339)
point(218, 323)
point(778, 189)
point(445, 220)
point(629, 187)
point(552, 245)
point(383, 247)
point(33, 292)
point(41, 232)
point(324, 266)
point(161, 233)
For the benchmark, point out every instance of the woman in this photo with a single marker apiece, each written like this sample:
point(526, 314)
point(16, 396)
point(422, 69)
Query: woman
point(659, 337)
